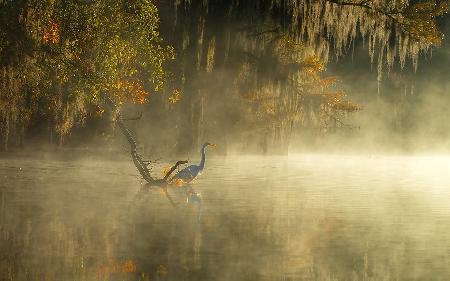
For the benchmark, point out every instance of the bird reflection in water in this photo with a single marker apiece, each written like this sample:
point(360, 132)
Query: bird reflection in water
point(181, 184)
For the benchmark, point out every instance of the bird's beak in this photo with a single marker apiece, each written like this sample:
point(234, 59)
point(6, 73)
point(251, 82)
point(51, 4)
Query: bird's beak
point(213, 144)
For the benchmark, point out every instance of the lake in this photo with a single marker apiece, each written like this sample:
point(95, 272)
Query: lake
point(302, 217)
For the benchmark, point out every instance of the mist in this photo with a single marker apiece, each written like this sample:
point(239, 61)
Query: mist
point(226, 140)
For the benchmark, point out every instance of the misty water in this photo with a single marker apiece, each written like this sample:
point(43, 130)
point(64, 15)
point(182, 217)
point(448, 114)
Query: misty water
point(302, 217)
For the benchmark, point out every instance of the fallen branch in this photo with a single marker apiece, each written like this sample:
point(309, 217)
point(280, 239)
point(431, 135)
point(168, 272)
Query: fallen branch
point(141, 165)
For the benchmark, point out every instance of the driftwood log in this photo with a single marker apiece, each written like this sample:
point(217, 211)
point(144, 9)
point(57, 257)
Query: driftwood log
point(140, 164)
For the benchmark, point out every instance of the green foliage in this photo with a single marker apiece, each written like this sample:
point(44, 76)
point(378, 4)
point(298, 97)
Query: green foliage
point(75, 50)
point(419, 20)
point(103, 43)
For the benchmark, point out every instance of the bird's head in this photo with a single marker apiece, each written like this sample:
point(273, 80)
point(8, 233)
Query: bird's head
point(206, 144)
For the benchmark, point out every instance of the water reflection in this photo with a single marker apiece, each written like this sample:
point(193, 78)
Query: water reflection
point(298, 218)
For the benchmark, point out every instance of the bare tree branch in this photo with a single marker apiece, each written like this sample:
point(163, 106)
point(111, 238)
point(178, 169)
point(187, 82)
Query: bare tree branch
point(141, 165)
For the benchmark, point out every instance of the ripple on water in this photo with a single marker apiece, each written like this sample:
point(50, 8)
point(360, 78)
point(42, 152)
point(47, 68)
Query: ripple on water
point(309, 217)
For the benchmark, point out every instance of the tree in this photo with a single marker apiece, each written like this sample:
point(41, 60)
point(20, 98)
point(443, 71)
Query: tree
point(57, 56)
point(235, 42)
point(61, 55)
point(292, 92)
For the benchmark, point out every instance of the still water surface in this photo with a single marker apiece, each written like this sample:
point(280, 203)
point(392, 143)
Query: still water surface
point(303, 217)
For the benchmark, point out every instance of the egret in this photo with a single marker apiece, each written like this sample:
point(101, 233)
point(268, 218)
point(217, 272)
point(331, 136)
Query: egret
point(189, 173)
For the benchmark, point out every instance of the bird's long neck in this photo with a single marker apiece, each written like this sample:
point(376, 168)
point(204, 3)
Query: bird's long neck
point(202, 162)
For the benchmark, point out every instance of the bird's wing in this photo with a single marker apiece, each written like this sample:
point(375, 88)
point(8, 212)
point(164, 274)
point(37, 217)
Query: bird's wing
point(184, 174)
point(187, 174)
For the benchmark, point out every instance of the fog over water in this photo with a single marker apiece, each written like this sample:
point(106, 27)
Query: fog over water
point(305, 183)
point(302, 217)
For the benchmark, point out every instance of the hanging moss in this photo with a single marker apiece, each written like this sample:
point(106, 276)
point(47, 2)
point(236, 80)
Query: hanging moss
point(276, 51)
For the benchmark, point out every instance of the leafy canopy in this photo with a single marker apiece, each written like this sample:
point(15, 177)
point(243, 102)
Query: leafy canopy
point(105, 46)
point(60, 55)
